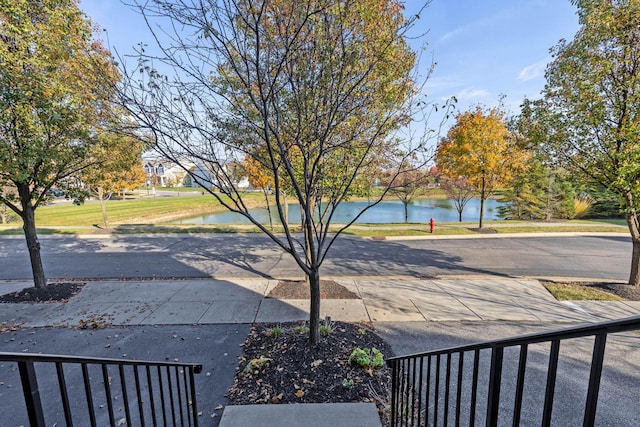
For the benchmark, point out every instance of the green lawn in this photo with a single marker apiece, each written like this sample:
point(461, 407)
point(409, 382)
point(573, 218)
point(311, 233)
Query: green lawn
point(151, 215)
point(576, 291)
point(139, 211)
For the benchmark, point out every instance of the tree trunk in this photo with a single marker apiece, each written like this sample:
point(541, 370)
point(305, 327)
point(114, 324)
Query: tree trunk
point(313, 281)
point(103, 206)
point(285, 207)
point(634, 228)
point(406, 212)
point(29, 227)
point(459, 215)
point(266, 199)
point(483, 196)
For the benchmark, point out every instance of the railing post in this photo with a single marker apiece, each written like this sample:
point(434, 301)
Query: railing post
point(550, 389)
point(31, 393)
point(597, 360)
point(495, 377)
point(394, 392)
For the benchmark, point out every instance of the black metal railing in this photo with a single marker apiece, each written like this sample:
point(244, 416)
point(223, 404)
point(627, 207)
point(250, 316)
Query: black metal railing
point(485, 383)
point(96, 391)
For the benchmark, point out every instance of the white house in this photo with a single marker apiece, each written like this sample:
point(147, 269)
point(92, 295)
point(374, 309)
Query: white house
point(164, 172)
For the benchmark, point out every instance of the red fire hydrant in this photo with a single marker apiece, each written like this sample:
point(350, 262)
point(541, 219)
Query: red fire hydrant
point(432, 225)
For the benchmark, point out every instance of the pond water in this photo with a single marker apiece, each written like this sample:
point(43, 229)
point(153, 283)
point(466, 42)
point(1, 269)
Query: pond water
point(442, 210)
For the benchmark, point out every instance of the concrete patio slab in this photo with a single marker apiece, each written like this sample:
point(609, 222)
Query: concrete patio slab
point(275, 310)
point(210, 290)
point(506, 309)
point(176, 313)
point(76, 313)
point(607, 310)
point(302, 415)
point(231, 311)
point(9, 287)
point(144, 291)
point(560, 312)
point(129, 313)
point(28, 315)
point(387, 311)
point(444, 308)
point(345, 310)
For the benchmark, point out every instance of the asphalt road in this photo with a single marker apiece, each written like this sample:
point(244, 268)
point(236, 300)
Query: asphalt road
point(254, 255)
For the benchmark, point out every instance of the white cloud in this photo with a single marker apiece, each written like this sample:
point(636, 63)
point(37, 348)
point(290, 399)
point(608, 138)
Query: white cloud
point(471, 93)
point(534, 70)
point(454, 33)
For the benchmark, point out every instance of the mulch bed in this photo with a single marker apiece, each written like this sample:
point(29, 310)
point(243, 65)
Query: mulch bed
point(297, 289)
point(53, 292)
point(296, 372)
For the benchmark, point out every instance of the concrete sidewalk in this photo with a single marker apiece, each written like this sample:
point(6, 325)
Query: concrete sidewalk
point(382, 299)
point(387, 300)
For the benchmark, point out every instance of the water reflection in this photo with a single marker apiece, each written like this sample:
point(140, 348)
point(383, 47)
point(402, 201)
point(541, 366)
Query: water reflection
point(442, 210)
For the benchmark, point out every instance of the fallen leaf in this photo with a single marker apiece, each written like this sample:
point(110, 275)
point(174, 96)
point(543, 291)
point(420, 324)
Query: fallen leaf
point(299, 393)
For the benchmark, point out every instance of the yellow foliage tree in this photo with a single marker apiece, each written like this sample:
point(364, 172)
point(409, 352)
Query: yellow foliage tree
point(259, 177)
point(480, 149)
point(117, 166)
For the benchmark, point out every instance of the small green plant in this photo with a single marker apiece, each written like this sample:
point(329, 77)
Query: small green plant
point(275, 332)
point(255, 365)
point(301, 329)
point(362, 331)
point(326, 327)
point(369, 359)
point(347, 382)
point(325, 330)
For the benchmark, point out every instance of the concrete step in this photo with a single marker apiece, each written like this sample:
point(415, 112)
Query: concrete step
point(302, 414)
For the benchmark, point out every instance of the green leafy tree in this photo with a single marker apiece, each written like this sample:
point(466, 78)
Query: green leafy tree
point(117, 166)
point(480, 149)
point(54, 81)
point(542, 191)
point(592, 95)
point(316, 87)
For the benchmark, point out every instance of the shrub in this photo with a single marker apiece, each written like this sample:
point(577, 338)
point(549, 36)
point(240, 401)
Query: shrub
point(275, 332)
point(369, 359)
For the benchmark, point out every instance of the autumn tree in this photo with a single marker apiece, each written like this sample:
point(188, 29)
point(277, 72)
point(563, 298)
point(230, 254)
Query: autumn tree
point(54, 81)
point(317, 87)
point(593, 98)
point(407, 185)
point(116, 166)
point(458, 190)
point(479, 149)
point(260, 178)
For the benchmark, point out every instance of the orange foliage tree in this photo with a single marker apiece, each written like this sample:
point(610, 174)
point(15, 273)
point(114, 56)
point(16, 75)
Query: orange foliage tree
point(480, 149)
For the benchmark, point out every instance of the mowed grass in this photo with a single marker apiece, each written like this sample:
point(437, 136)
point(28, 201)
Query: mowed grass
point(138, 211)
point(575, 291)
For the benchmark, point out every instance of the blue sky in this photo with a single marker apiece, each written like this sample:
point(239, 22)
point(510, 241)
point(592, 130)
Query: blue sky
point(482, 48)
